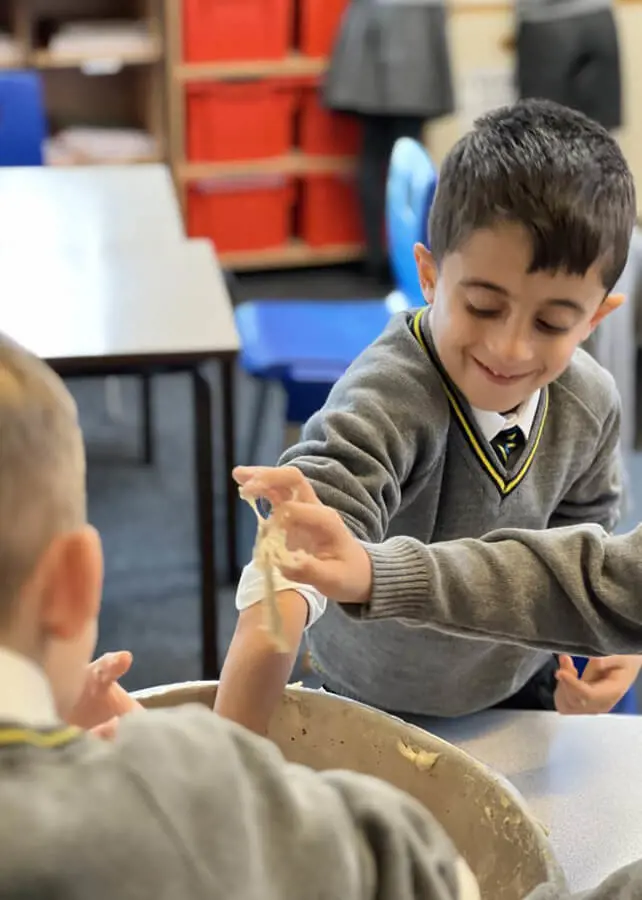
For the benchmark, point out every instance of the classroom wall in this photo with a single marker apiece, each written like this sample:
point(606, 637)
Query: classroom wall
point(480, 35)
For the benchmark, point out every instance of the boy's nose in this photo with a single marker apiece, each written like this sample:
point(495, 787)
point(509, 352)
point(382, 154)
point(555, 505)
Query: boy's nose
point(511, 348)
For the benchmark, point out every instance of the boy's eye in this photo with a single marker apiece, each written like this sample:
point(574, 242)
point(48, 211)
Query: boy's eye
point(481, 312)
point(548, 328)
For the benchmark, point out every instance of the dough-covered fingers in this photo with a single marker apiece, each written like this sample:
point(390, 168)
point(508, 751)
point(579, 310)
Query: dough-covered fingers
point(313, 528)
point(276, 484)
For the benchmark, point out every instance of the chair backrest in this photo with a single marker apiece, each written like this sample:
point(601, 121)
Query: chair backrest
point(412, 181)
point(23, 127)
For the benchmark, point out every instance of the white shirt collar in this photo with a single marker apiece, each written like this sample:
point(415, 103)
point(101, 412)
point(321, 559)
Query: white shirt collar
point(491, 423)
point(25, 694)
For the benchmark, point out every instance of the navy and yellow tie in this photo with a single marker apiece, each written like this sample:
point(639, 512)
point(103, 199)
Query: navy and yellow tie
point(508, 443)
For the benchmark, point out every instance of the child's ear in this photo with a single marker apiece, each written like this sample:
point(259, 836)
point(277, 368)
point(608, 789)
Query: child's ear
point(427, 271)
point(70, 576)
point(610, 303)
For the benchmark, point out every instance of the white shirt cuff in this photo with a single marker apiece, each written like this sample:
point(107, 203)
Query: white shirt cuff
point(251, 591)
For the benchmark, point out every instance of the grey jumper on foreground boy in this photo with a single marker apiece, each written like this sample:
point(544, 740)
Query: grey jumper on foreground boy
point(477, 413)
point(181, 804)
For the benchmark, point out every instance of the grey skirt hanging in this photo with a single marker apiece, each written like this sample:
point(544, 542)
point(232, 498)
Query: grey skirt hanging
point(573, 59)
point(392, 58)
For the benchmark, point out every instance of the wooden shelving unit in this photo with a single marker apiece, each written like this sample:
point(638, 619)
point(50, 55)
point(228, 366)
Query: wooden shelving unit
point(44, 59)
point(295, 254)
point(295, 163)
point(294, 65)
point(124, 89)
point(179, 75)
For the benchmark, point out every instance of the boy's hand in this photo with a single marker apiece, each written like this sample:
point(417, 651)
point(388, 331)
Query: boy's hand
point(602, 685)
point(333, 562)
point(103, 698)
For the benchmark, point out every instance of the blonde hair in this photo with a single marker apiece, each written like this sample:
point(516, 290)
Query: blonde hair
point(42, 466)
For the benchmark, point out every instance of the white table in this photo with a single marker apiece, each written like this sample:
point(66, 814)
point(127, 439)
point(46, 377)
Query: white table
point(135, 310)
point(581, 777)
point(51, 206)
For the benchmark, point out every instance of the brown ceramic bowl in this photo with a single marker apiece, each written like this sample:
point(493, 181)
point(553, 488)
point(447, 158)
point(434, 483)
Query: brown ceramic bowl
point(488, 821)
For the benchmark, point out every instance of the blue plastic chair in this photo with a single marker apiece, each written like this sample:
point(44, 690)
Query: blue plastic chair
point(628, 705)
point(23, 126)
point(412, 182)
point(307, 345)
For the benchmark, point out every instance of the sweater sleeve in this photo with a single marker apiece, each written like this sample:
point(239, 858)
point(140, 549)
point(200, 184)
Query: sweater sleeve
point(368, 444)
point(249, 824)
point(573, 589)
point(625, 884)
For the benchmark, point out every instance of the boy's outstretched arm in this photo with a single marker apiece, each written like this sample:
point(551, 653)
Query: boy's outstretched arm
point(255, 673)
point(357, 452)
point(574, 589)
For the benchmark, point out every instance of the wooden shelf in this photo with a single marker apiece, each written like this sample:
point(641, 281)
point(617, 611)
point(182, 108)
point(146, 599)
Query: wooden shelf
point(294, 254)
point(138, 160)
point(293, 65)
point(44, 59)
point(295, 163)
point(16, 63)
point(133, 93)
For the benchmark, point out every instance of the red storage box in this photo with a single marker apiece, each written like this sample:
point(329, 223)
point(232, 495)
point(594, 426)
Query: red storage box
point(241, 214)
point(250, 120)
point(326, 133)
point(225, 30)
point(320, 21)
point(331, 213)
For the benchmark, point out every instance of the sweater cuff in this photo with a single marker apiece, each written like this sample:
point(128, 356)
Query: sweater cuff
point(400, 581)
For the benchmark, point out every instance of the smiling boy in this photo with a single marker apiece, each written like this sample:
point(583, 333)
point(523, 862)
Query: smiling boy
point(477, 413)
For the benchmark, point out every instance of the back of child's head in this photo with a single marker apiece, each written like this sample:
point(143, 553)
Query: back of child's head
point(42, 467)
point(552, 170)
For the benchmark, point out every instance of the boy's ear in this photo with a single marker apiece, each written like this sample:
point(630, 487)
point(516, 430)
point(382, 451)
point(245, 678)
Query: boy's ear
point(427, 271)
point(611, 302)
point(69, 578)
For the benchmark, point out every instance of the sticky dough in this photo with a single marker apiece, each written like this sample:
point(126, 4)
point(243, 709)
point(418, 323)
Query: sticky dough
point(422, 759)
point(270, 552)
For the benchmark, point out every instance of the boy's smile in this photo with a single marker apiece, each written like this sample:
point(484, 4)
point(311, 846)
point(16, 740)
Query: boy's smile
point(501, 331)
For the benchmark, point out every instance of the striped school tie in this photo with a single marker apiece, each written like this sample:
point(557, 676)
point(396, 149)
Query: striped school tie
point(508, 443)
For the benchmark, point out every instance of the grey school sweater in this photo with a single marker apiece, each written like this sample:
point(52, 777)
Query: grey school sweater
point(397, 451)
point(187, 806)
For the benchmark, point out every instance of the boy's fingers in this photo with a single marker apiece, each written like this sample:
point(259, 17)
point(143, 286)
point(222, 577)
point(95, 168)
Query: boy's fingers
point(598, 669)
point(565, 704)
point(310, 518)
point(574, 685)
point(567, 664)
point(112, 666)
point(569, 701)
point(283, 482)
point(595, 696)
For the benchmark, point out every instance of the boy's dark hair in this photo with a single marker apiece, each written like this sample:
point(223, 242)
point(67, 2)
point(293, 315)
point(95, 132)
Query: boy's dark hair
point(553, 170)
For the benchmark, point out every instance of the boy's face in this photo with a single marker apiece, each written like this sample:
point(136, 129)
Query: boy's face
point(500, 331)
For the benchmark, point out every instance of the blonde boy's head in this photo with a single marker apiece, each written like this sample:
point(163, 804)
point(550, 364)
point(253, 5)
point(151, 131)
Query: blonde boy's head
point(50, 565)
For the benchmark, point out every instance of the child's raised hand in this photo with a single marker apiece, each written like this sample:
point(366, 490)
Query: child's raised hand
point(333, 561)
point(103, 698)
point(601, 686)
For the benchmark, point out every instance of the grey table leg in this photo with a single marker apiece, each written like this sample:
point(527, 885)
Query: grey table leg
point(147, 423)
point(205, 509)
point(229, 433)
